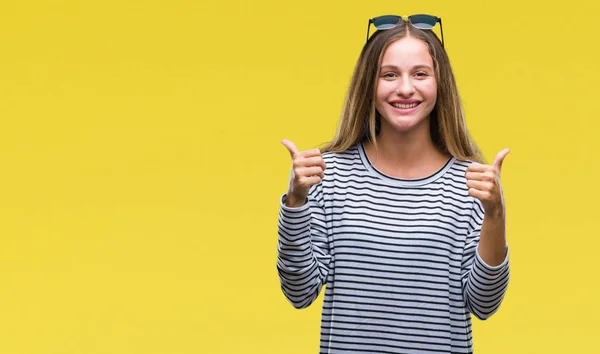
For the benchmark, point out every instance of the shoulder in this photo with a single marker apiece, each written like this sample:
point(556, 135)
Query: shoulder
point(342, 158)
point(460, 170)
point(341, 166)
point(459, 167)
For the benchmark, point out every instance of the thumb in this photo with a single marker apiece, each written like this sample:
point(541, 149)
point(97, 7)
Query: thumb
point(500, 158)
point(290, 146)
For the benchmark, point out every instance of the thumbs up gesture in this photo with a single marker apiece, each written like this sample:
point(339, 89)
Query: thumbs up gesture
point(308, 168)
point(484, 184)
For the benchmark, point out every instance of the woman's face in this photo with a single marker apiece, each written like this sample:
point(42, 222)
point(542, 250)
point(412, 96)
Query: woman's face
point(406, 86)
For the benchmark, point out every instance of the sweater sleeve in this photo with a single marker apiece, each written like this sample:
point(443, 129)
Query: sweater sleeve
point(483, 286)
point(303, 250)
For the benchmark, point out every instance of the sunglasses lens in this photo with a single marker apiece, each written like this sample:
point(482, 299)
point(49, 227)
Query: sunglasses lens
point(386, 22)
point(423, 21)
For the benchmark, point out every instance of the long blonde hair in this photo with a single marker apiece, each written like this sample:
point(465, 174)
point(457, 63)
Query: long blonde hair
point(360, 120)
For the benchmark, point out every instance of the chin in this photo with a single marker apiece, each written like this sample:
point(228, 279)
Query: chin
point(406, 124)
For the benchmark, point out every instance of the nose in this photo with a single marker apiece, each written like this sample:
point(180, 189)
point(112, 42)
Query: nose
point(405, 87)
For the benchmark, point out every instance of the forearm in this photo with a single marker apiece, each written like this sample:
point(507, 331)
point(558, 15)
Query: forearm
point(492, 244)
point(485, 287)
point(489, 269)
point(295, 249)
point(299, 274)
point(303, 259)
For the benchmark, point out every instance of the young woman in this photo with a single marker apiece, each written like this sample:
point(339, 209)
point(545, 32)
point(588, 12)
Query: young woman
point(398, 215)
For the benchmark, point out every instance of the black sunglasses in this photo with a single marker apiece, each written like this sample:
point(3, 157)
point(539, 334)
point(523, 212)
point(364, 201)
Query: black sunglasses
point(424, 22)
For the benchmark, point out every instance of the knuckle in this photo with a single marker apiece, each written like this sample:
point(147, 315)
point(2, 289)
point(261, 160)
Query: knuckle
point(303, 183)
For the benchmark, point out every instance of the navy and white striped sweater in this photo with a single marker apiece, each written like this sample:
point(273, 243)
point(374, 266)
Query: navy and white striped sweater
point(399, 258)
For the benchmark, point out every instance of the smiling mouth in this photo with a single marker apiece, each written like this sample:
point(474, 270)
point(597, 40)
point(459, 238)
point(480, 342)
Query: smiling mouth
point(405, 105)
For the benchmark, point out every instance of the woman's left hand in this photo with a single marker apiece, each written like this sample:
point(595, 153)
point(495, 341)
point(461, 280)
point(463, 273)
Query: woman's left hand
point(484, 184)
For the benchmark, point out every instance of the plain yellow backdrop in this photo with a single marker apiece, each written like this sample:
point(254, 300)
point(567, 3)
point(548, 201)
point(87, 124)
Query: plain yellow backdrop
point(141, 165)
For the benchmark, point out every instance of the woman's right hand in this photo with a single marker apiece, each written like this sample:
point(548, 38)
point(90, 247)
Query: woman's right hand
point(308, 168)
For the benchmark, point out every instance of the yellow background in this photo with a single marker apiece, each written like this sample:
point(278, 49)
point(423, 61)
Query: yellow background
point(140, 165)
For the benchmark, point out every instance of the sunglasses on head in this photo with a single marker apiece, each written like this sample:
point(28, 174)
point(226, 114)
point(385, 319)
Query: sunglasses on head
point(424, 22)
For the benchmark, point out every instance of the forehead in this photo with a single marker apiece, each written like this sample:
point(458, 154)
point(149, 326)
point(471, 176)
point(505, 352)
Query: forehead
point(407, 51)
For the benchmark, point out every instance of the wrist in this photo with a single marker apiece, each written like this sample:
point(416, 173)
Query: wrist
point(496, 214)
point(294, 201)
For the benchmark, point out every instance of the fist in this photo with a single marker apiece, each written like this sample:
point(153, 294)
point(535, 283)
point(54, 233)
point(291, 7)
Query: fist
point(483, 182)
point(308, 168)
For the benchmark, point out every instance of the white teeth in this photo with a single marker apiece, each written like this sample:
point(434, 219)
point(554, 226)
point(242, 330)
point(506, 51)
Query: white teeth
point(404, 106)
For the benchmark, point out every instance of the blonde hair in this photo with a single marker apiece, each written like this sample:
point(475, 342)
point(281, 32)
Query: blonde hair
point(360, 120)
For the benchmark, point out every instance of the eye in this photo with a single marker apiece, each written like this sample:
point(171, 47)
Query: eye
point(421, 74)
point(389, 75)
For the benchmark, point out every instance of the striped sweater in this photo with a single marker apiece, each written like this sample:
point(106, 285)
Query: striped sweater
point(399, 257)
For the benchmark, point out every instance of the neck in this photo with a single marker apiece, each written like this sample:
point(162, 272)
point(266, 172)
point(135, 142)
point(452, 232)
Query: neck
point(406, 155)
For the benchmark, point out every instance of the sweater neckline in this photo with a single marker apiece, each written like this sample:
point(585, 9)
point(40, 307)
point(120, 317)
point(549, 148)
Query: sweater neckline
point(403, 182)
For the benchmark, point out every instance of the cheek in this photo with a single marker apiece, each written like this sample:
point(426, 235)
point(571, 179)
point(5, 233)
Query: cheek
point(385, 89)
point(382, 93)
point(428, 90)
point(432, 91)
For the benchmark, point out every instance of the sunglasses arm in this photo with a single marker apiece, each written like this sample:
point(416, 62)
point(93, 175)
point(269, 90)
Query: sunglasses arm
point(441, 31)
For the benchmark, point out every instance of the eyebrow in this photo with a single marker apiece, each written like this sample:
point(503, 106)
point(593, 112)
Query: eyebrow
point(394, 67)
